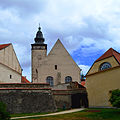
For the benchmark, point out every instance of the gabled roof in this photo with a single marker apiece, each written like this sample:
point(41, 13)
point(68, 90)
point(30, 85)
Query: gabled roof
point(24, 80)
point(4, 46)
point(62, 50)
point(109, 53)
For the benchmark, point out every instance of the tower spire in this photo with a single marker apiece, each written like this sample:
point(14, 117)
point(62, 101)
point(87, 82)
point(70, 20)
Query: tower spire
point(39, 36)
point(39, 27)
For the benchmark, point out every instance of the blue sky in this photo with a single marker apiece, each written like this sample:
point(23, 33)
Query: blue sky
point(87, 28)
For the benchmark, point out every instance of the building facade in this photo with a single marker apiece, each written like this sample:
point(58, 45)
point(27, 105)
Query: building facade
point(56, 67)
point(102, 78)
point(10, 69)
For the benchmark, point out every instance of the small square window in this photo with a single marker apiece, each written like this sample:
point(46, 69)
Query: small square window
point(10, 76)
point(55, 67)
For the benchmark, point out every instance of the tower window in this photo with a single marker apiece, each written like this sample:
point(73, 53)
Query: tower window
point(55, 67)
point(10, 76)
point(36, 73)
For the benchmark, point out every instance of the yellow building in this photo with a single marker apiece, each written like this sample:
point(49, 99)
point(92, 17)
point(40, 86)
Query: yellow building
point(102, 78)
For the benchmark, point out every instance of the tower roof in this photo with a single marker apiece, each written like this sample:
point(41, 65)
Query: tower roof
point(109, 53)
point(39, 37)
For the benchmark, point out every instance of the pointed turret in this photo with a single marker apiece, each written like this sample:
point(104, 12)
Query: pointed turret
point(39, 37)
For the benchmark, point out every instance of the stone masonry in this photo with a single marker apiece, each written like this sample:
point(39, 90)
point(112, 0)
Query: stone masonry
point(27, 98)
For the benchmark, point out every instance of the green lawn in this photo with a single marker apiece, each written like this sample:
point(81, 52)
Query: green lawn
point(88, 114)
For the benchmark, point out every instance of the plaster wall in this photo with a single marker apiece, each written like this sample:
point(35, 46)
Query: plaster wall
point(96, 65)
point(8, 75)
point(57, 56)
point(9, 58)
point(100, 84)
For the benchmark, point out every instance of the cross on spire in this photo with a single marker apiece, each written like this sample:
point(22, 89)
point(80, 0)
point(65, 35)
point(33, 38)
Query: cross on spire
point(39, 36)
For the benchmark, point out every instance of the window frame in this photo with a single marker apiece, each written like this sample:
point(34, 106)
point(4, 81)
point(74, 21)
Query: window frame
point(68, 79)
point(108, 65)
point(50, 80)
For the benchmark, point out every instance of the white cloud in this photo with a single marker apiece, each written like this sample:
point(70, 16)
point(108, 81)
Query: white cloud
point(80, 24)
point(84, 68)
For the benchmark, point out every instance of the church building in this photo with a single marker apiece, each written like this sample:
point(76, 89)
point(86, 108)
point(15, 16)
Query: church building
point(10, 69)
point(55, 68)
point(102, 78)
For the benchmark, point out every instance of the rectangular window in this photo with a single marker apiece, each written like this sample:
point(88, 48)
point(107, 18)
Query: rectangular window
point(55, 67)
point(10, 76)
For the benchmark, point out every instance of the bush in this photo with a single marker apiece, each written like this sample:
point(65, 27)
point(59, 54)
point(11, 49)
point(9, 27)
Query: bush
point(115, 98)
point(4, 115)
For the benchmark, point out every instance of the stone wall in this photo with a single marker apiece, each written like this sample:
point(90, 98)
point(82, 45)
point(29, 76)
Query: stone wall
point(25, 85)
point(63, 98)
point(27, 98)
point(28, 101)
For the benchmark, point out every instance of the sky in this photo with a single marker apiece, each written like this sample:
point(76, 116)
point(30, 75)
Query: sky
point(87, 28)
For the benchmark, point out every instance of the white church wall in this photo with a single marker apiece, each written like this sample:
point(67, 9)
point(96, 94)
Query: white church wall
point(65, 65)
point(9, 58)
point(7, 75)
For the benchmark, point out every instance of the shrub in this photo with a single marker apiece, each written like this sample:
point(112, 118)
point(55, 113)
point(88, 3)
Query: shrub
point(115, 98)
point(4, 115)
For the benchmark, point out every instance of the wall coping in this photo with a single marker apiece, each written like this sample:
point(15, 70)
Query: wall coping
point(25, 88)
point(71, 89)
point(24, 83)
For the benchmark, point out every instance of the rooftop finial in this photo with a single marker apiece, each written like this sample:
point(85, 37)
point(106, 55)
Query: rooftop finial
point(39, 27)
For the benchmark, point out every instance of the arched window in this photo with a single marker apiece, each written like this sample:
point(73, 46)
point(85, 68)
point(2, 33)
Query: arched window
point(68, 79)
point(49, 80)
point(105, 65)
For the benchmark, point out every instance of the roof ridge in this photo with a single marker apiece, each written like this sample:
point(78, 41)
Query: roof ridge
point(6, 44)
point(116, 51)
point(2, 46)
point(110, 52)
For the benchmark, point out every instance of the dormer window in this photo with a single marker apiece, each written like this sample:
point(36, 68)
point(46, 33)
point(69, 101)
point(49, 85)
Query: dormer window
point(105, 65)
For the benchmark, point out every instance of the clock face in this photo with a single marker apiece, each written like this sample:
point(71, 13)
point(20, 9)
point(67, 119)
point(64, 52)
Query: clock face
point(39, 47)
point(105, 65)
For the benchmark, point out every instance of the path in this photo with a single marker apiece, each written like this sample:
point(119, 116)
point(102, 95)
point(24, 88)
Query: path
point(57, 113)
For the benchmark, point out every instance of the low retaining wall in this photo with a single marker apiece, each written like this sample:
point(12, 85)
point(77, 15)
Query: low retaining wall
point(64, 99)
point(27, 99)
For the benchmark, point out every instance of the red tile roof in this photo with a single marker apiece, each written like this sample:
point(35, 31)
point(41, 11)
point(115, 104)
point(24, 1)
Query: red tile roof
point(83, 83)
point(109, 53)
point(24, 80)
point(4, 46)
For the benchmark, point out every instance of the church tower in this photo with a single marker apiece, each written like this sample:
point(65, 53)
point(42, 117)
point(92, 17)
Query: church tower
point(39, 52)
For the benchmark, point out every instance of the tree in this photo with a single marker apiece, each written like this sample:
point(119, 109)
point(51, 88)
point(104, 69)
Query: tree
point(4, 115)
point(115, 98)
